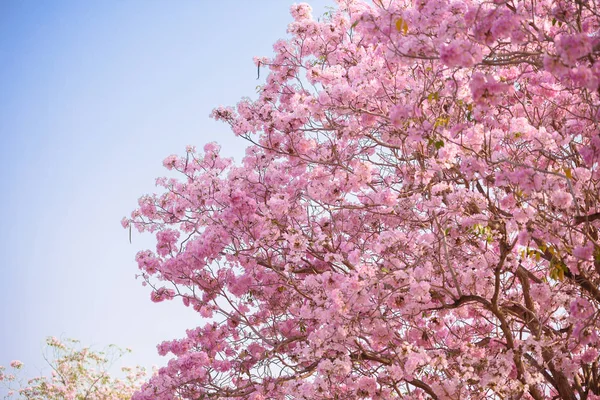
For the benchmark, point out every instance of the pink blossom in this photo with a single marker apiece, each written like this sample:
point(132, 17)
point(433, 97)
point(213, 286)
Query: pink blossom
point(572, 47)
point(417, 202)
point(504, 24)
point(162, 294)
point(584, 252)
point(301, 11)
point(171, 162)
point(460, 53)
point(562, 199)
point(583, 76)
point(16, 364)
point(399, 114)
point(589, 356)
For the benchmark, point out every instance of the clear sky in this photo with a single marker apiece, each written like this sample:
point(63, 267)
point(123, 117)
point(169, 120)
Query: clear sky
point(93, 96)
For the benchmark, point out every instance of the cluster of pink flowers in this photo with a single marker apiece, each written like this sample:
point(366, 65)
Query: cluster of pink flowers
point(416, 216)
point(460, 53)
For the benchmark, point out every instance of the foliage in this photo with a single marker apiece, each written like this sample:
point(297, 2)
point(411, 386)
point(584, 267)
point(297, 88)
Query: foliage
point(78, 373)
point(416, 215)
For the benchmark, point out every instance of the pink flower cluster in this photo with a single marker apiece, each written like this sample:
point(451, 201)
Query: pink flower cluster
point(416, 215)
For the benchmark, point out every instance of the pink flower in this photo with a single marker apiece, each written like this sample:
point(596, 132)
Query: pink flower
point(570, 48)
point(399, 114)
point(580, 309)
point(562, 199)
point(166, 241)
point(487, 90)
point(554, 65)
point(211, 147)
point(171, 162)
point(589, 356)
point(349, 250)
point(504, 24)
point(412, 363)
point(368, 384)
point(301, 11)
point(584, 252)
point(582, 76)
point(162, 294)
point(460, 53)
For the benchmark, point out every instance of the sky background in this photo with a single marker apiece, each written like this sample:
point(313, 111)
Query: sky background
point(93, 96)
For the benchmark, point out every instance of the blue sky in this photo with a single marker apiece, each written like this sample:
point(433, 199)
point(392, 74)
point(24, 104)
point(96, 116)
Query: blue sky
point(93, 96)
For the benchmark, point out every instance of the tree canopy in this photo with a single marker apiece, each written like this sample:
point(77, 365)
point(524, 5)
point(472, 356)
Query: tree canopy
point(416, 215)
point(78, 373)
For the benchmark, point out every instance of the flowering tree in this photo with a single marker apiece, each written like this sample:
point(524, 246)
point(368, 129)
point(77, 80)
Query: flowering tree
point(77, 374)
point(416, 215)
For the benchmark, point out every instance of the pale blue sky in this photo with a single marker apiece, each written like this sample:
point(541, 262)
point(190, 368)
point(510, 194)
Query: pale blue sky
point(93, 96)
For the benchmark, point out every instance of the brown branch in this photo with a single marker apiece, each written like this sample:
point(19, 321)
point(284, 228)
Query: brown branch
point(580, 219)
point(422, 385)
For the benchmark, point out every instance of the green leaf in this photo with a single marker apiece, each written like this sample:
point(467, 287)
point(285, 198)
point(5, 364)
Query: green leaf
point(302, 327)
point(441, 121)
point(557, 269)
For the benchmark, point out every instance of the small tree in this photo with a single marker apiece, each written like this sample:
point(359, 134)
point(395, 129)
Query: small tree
point(416, 215)
point(78, 373)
